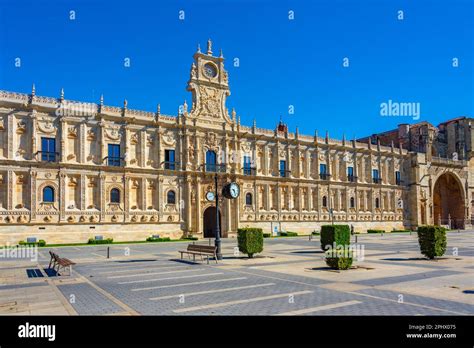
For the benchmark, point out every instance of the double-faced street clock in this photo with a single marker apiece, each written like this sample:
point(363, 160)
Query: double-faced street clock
point(231, 190)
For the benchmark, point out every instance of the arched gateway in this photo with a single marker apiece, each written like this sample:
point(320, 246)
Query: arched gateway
point(209, 222)
point(448, 201)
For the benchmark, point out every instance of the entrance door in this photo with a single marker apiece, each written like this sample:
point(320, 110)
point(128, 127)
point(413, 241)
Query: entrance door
point(209, 223)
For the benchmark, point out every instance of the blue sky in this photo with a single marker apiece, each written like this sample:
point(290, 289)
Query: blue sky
point(282, 62)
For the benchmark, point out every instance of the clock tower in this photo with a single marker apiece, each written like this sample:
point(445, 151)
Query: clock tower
point(209, 86)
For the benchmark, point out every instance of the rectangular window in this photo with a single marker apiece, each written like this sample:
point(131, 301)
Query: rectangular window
point(169, 160)
point(323, 168)
point(48, 149)
point(398, 178)
point(114, 155)
point(247, 165)
point(375, 176)
point(323, 171)
point(350, 174)
point(282, 168)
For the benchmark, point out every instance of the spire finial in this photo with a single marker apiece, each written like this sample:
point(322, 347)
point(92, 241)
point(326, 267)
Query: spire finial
point(199, 48)
point(33, 90)
point(209, 47)
point(101, 100)
point(233, 114)
point(185, 106)
point(61, 97)
point(158, 109)
point(125, 103)
point(221, 55)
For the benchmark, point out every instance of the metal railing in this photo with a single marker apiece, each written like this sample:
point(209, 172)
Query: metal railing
point(171, 165)
point(324, 176)
point(377, 180)
point(47, 156)
point(352, 178)
point(249, 171)
point(284, 173)
point(214, 168)
point(113, 161)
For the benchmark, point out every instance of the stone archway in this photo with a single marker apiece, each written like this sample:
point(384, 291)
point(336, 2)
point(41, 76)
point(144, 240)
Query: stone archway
point(448, 201)
point(209, 222)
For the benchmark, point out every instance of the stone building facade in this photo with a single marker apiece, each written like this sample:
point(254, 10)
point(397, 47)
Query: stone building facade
point(70, 171)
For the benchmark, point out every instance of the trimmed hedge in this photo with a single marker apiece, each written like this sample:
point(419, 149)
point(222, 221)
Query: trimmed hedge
point(375, 231)
point(288, 234)
point(267, 235)
point(338, 234)
point(432, 240)
point(40, 243)
point(100, 241)
point(339, 259)
point(250, 240)
point(162, 239)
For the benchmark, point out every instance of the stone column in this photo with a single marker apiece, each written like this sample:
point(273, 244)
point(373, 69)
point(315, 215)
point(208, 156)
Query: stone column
point(62, 195)
point(33, 200)
point(307, 165)
point(288, 160)
point(11, 136)
point(143, 189)
point(158, 150)
point(102, 143)
point(63, 139)
point(188, 206)
point(102, 204)
point(126, 145)
point(265, 160)
point(198, 206)
point(34, 143)
point(143, 148)
point(83, 191)
point(298, 162)
point(126, 197)
point(82, 138)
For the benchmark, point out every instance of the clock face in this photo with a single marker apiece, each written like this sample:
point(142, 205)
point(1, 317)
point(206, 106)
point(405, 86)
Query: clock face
point(234, 190)
point(210, 70)
point(210, 196)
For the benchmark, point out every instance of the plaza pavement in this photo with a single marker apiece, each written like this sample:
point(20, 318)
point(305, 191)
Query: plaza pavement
point(289, 278)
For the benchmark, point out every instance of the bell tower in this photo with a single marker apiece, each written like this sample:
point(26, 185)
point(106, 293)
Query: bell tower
point(209, 85)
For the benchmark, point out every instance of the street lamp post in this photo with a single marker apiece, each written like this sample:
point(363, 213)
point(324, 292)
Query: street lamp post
point(217, 231)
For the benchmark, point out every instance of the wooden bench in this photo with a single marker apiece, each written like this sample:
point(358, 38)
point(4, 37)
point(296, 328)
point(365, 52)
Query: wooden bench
point(201, 250)
point(60, 262)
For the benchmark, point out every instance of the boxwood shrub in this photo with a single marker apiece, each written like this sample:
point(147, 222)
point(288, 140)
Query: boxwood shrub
point(339, 259)
point(250, 240)
point(100, 241)
point(40, 243)
point(288, 234)
point(163, 239)
point(432, 240)
point(338, 234)
point(375, 231)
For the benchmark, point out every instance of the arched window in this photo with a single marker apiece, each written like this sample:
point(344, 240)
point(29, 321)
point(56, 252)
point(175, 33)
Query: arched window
point(325, 201)
point(248, 199)
point(171, 197)
point(377, 203)
point(115, 195)
point(352, 202)
point(211, 161)
point(48, 194)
